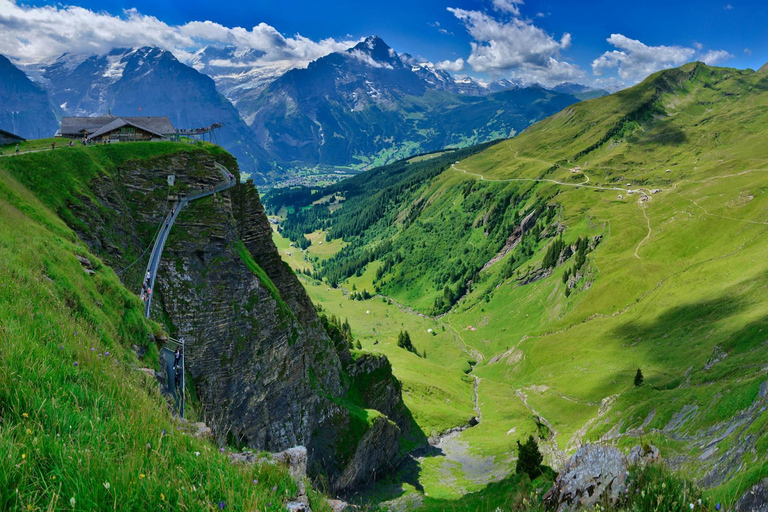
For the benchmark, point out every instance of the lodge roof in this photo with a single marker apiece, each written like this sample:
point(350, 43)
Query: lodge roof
point(11, 135)
point(95, 126)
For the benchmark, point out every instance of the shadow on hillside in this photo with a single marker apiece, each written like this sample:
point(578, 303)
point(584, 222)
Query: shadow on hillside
point(663, 133)
point(681, 335)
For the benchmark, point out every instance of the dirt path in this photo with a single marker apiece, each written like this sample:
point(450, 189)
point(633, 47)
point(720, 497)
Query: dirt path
point(542, 180)
point(648, 220)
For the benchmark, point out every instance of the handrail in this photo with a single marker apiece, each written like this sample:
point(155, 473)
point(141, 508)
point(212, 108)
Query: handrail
point(157, 250)
point(154, 263)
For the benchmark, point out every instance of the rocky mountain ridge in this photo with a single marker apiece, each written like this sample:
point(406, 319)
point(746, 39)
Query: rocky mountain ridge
point(25, 109)
point(370, 105)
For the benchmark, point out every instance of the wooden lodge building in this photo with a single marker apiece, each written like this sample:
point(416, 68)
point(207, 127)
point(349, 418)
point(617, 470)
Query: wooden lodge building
point(9, 138)
point(118, 129)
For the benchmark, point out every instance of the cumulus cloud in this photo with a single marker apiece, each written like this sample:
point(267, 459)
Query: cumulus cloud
point(713, 57)
point(454, 66)
point(516, 48)
point(510, 6)
point(37, 34)
point(634, 60)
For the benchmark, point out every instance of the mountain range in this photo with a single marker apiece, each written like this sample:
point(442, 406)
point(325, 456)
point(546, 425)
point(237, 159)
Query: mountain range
point(356, 109)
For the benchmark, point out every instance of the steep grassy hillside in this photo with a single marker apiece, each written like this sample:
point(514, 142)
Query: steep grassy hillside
point(80, 427)
point(624, 232)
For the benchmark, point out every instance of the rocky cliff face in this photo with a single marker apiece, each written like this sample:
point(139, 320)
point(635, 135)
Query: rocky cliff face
point(265, 372)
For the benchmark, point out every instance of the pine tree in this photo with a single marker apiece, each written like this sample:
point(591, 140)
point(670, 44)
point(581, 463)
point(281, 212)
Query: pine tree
point(639, 378)
point(529, 458)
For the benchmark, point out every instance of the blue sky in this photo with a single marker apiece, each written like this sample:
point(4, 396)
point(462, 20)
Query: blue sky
point(545, 41)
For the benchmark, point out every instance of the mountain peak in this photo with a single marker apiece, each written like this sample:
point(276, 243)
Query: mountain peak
point(378, 50)
point(763, 69)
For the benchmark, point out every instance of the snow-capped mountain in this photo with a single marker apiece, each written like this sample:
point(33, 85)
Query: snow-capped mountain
point(368, 105)
point(236, 71)
point(25, 108)
point(152, 82)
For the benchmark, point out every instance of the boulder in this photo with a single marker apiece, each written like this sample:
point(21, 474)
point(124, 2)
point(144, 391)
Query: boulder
point(296, 460)
point(300, 504)
point(593, 475)
point(755, 499)
point(338, 505)
point(642, 455)
point(203, 431)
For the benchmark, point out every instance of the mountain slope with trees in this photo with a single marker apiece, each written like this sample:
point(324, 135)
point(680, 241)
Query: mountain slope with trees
point(622, 233)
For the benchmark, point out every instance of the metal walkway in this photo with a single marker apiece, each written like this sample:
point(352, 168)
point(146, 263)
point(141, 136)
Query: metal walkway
point(166, 354)
point(157, 249)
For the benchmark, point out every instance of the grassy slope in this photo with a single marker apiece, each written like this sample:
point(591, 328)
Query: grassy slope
point(670, 285)
point(675, 280)
point(77, 422)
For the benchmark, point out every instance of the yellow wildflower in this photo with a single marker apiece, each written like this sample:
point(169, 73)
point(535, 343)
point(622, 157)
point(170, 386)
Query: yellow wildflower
point(25, 415)
point(162, 497)
point(142, 475)
point(29, 431)
point(23, 456)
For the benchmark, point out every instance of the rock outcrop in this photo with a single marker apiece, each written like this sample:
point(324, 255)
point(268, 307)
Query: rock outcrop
point(595, 474)
point(755, 499)
point(264, 370)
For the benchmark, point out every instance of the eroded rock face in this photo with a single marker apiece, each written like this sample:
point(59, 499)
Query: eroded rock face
point(379, 389)
point(264, 370)
point(593, 475)
point(376, 453)
point(755, 499)
point(596, 474)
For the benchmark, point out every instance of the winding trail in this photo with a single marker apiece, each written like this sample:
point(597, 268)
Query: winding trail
point(167, 224)
point(583, 184)
point(645, 214)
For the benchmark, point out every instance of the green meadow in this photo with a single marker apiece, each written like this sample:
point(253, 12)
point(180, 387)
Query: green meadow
point(666, 183)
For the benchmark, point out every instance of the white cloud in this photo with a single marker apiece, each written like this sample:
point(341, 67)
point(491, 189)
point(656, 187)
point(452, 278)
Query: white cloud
point(35, 34)
point(747, 51)
point(510, 6)
point(454, 66)
point(634, 60)
point(698, 45)
point(714, 57)
point(366, 59)
point(516, 48)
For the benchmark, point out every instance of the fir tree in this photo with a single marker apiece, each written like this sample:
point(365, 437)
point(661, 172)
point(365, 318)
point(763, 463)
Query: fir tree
point(639, 378)
point(529, 458)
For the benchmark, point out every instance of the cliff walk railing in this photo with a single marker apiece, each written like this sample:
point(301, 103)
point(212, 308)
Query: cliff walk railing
point(165, 229)
point(175, 372)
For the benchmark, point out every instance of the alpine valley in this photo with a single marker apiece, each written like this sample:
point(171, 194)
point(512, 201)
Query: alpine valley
point(377, 285)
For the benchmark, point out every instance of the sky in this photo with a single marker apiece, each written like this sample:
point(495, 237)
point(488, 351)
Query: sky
point(611, 44)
